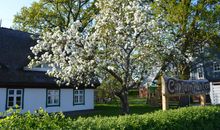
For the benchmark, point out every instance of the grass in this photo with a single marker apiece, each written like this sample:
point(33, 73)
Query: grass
point(137, 106)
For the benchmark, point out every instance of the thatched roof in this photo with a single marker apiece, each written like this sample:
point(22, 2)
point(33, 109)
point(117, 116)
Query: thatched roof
point(14, 50)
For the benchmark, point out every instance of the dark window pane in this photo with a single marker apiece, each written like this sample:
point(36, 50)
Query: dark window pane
point(11, 92)
point(10, 104)
point(18, 99)
point(18, 103)
point(19, 92)
point(56, 101)
point(49, 100)
point(11, 99)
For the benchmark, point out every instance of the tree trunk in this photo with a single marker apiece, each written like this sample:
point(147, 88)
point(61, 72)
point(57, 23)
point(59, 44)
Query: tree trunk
point(184, 74)
point(184, 71)
point(124, 102)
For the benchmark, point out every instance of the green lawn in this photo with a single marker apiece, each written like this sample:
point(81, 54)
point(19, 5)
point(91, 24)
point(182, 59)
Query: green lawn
point(137, 106)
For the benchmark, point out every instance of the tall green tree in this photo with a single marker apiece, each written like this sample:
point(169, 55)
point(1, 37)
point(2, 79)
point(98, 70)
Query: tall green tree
point(195, 24)
point(48, 14)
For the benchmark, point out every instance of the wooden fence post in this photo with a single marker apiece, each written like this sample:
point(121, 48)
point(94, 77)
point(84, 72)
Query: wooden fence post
point(165, 101)
point(202, 99)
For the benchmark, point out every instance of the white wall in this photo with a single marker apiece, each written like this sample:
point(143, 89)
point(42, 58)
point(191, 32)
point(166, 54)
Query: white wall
point(34, 98)
point(2, 99)
point(215, 93)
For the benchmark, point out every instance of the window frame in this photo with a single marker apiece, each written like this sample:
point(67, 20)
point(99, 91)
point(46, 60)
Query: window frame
point(193, 75)
point(52, 105)
point(200, 69)
point(83, 95)
point(14, 98)
point(214, 66)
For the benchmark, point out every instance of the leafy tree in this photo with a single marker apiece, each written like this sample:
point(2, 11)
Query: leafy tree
point(195, 24)
point(108, 88)
point(121, 43)
point(47, 14)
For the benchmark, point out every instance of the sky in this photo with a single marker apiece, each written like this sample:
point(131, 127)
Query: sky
point(9, 8)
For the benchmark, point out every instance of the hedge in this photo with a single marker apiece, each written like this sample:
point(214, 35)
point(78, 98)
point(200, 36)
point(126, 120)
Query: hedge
point(191, 118)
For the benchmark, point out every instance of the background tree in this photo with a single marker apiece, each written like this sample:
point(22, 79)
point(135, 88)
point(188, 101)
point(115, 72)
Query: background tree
point(106, 91)
point(195, 24)
point(47, 14)
point(121, 43)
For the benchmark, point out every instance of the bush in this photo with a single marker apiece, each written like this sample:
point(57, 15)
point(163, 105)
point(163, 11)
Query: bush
point(133, 92)
point(184, 118)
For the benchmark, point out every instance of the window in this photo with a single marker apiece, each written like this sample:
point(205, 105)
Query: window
point(200, 71)
point(193, 75)
point(216, 67)
point(78, 97)
point(53, 97)
point(15, 98)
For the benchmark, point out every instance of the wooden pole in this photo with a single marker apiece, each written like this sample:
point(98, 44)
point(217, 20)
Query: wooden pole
point(202, 99)
point(165, 104)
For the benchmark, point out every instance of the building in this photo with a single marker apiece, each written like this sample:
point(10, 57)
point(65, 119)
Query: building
point(207, 66)
point(30, 89)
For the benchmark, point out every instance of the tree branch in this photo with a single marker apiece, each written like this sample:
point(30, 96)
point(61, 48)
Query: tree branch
point(114, 75)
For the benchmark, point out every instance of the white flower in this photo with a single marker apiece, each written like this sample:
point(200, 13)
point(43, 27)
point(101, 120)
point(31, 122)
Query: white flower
point(122, 38)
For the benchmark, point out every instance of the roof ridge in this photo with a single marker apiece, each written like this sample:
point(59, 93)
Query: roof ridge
point(15, 30)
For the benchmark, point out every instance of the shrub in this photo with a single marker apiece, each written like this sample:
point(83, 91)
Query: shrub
point(133, 92)
point(184, 118)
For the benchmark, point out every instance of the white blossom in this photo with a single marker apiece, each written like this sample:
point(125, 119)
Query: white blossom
point(124, 38)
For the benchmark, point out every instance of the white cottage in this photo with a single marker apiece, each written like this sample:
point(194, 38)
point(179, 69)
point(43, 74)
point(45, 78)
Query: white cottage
point(30, 89)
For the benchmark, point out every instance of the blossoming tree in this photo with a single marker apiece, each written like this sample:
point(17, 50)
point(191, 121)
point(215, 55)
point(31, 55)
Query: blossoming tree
point(120, 43)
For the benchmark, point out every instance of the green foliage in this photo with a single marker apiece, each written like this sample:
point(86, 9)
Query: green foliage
point(184, 118)
point(195, 24)
point(40, 119)
point(134, 92)
point(107, 88)
point(196, 20)
point(47, 14)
